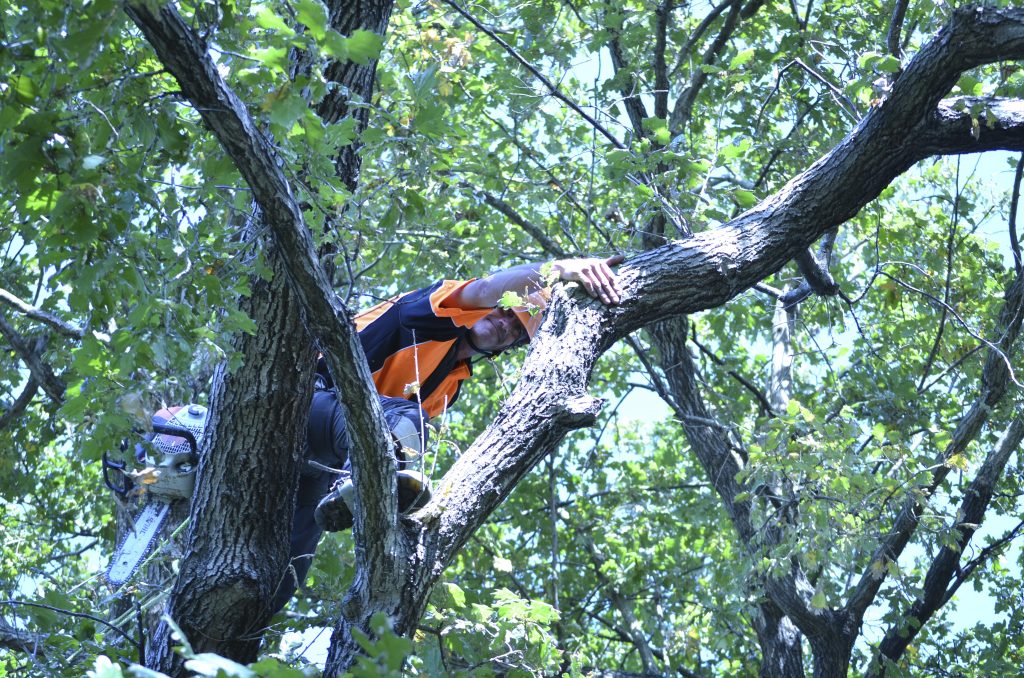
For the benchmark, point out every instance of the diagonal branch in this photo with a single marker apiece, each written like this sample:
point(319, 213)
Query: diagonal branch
point(551, 87)
point(183, 55)
point(995, 379)
point(537, 233)
point(892, 38)
point(683, 107)
point(67, 329)
point(20, 403)
point(52, 384)
point(945, 565)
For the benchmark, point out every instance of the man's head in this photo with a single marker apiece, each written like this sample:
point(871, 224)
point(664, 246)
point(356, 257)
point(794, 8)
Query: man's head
point(505, 328)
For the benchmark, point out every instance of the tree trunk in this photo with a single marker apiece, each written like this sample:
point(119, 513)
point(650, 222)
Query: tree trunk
point(237, 545)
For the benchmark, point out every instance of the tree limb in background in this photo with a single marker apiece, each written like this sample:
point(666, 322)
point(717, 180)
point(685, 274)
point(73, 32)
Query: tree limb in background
point(817, 278)
point(67, 329)
point(1014, 202)
point(994, 383)
point(661, 83)
point(22, 401)
point(633, 628)
point(630, 96)
point(946, 564)
point(537, 233)
point(20, 640)
point(892, 38)
point(682, 110)
point(51, 384)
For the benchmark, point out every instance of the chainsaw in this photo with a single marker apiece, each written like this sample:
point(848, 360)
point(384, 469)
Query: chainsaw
point(168, 476)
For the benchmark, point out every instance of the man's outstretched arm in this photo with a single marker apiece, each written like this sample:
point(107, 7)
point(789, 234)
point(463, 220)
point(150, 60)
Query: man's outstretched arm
point(595, 274)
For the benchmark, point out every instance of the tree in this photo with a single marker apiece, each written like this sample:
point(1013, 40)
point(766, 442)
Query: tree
point(188, 206)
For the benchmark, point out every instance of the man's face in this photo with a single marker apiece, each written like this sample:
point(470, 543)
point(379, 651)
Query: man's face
point(496, 331)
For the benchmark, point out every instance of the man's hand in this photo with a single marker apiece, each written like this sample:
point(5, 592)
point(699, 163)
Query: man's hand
point(595, 275)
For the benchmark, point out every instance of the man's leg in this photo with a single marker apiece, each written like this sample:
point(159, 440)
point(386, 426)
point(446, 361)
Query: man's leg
point(327, 444)
point(407, 422)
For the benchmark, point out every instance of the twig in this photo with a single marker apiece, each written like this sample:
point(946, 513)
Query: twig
point(538, 234)
point(70, 613)
point(963, 323)
point(555, 92)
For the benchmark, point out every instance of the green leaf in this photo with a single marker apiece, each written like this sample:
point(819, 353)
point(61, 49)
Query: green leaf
point(888, 64)
point(313, 14)
point(364, 46)
point(24, 88)
point(266, 18)
point(510, 300)
point(273, 57)
point(868, 59)
point(970, 85)
point(744, 198)
point(457, 595)
point(741, 58)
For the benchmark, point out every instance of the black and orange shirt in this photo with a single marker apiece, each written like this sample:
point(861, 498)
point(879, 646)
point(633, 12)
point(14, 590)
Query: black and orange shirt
point(411, 342)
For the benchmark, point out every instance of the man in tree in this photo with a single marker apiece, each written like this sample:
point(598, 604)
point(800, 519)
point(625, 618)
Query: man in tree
point(419, 346)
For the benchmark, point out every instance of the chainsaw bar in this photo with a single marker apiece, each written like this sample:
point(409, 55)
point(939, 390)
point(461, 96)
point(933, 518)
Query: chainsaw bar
point(170, 478)
point(137, 542)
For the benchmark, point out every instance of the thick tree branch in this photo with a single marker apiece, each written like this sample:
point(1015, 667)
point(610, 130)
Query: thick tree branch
point(20, 640)
point(373, 464)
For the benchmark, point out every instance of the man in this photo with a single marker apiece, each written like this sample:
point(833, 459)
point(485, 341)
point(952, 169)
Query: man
point(419, 346)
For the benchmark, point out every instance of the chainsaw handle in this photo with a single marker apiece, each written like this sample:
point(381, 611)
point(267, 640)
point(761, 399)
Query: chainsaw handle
point(120, 490)
point(179, 432)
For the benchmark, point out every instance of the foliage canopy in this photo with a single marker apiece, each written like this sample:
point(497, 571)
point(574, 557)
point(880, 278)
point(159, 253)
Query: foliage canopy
point(128, 253)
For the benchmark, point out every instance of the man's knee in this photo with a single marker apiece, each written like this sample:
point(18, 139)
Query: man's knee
point(408, 424)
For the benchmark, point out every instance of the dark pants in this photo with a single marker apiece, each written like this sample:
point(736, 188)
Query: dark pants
point(327, 443)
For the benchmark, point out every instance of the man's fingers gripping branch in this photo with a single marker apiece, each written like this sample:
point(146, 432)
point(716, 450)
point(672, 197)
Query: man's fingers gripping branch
point(595, 274)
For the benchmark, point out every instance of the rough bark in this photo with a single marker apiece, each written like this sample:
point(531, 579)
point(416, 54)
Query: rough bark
point(186, 58)
point(397, 569)
point(237, 543)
